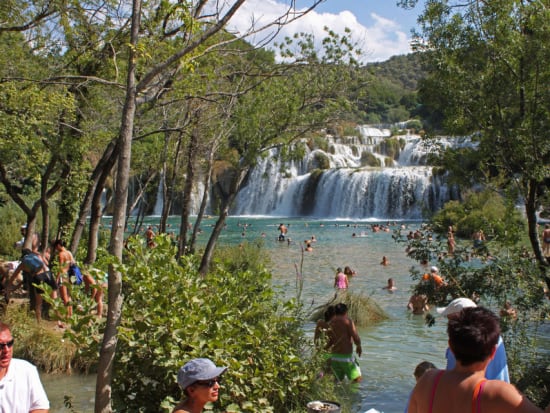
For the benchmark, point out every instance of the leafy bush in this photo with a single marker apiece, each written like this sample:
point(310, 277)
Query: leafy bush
point(485, 210)
point(369, 159)
point(321, 160)
point(38, 343)
point(172, 314)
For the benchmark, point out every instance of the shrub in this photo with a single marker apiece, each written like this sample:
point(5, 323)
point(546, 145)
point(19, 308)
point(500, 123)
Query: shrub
point(321, 160)
point(172, 314)
point(369, 159)
point(485, 210)
point(39, 343)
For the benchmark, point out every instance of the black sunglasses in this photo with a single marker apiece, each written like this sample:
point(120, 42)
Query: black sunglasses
point(209, 383)
point(9, 344)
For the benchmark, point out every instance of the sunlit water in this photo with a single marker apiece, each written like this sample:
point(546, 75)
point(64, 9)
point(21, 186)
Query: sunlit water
point(391, 349)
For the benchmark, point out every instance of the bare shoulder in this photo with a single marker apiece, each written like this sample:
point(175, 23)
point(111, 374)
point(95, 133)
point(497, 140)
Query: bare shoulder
point(504, 397)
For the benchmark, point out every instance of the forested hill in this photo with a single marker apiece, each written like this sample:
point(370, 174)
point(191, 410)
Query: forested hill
point(391, 94)
point(404, 70)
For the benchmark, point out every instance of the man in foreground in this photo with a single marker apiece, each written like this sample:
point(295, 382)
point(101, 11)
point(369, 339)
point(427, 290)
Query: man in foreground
point(341, 336)
point(20, 388)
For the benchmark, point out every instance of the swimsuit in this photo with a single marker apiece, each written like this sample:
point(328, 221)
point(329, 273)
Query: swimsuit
point(344, 365)
point(341, 280)
point(476, 397)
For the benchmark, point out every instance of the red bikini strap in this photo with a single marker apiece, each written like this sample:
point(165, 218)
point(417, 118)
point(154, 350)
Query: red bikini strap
point(476, 397)
point(434, 387)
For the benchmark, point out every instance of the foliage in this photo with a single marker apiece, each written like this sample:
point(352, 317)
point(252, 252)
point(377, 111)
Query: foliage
point(38, 343)
point(391, 92)
point(172, 314)
point(486, 210)
point(510, 275)
point(488, 70)
point(369, 159)
point(320, 160)
point(11, 219)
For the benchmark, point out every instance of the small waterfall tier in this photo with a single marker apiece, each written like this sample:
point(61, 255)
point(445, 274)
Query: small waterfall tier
point(368, 176)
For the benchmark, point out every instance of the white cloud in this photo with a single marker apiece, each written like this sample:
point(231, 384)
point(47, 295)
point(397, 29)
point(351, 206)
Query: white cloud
point(385, 38)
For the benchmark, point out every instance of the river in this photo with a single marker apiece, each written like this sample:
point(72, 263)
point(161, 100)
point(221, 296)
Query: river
point(391, 349)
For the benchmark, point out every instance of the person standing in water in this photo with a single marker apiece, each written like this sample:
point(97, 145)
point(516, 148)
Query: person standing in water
point(342, 334)
point(341, 281)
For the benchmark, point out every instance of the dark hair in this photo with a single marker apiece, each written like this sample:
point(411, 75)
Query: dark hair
point(340, 309)
point(422, 368)
point(473, 334)
point(25, 251)
point(58, 242)
point(329, 312)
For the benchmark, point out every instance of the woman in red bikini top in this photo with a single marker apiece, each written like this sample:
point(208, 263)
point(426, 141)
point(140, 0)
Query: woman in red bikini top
point(473, 336)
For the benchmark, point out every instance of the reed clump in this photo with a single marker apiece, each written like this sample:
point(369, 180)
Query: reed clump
point(362, 309)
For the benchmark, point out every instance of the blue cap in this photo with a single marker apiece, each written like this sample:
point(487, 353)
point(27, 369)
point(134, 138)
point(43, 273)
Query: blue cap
point(198, 369)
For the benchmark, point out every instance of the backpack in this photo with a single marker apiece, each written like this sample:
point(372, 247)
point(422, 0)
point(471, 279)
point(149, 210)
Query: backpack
point(75, 274)
point(32, 263)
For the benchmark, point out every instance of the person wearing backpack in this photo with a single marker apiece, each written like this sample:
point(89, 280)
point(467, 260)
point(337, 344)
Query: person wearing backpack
point(65, 259)
point(35, 269)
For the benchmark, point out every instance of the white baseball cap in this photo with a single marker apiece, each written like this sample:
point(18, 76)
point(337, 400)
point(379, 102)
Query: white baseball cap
point(456, 306)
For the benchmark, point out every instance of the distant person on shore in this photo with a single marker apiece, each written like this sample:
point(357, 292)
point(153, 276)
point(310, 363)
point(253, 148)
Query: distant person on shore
point(497, 368)
point(419, 371)
point(149, 234)
point(473, 335)
point(342, 335)
point(36, 272)
point(479, 239)
point(546, 241)
point(20, 386)
point(508, 311)
point(341, 281)
point(199, 379)
point(65, 259)
point(390, 286)
point(418, 304)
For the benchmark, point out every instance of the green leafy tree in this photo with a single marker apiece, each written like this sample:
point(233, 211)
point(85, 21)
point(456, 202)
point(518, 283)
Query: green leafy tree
point(36, 153)
point(489, 70)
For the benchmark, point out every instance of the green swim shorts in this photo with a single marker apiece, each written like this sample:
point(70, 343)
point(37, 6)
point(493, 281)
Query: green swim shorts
point(344, 365)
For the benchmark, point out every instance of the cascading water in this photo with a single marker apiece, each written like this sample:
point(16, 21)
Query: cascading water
point(346, 190)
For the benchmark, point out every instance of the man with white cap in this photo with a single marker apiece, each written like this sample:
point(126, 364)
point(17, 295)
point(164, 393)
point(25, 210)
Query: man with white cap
point(498, 367)
point(200, 381)
point(435, 277)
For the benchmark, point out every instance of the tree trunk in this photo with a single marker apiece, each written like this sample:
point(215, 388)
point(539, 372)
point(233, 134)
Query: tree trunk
point(95, 215)
point(114, 309)
point(209, 250)
point(204, 201)
point(106, 162)
point(188, 190)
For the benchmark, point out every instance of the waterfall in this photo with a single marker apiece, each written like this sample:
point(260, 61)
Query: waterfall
point(347, 189)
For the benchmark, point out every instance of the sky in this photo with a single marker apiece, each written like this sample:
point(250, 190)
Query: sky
point(380, 27)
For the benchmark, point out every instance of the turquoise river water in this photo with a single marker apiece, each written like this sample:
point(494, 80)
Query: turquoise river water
point(391, 349)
